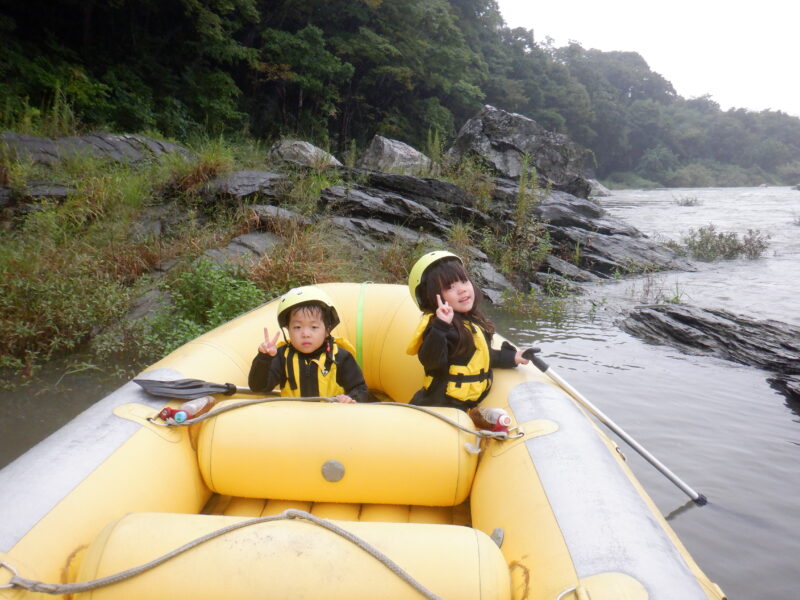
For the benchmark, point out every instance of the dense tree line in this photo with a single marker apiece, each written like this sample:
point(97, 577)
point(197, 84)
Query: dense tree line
point(339, 71)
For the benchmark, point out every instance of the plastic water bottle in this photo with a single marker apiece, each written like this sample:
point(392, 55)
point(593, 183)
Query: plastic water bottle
point(492, 419)
point(188, 410)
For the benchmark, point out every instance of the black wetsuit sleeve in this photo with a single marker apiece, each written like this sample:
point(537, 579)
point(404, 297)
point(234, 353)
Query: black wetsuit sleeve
point(351, 378)
point(504, 358)
point(434, 353)
point(266, 372)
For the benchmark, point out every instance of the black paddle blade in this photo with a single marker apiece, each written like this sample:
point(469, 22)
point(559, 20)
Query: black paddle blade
point(184, 388)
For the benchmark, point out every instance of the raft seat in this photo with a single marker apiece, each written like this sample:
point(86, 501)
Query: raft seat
point(337, 455)
point(293, 559)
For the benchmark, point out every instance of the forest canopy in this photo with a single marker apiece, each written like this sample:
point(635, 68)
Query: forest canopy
point(337, 72)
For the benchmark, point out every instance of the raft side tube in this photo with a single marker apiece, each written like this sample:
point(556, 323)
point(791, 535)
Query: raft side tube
point(33, 484)
point(606, 524)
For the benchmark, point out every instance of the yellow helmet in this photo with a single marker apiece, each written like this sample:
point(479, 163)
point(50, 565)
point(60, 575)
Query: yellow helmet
point(422, 265)
point(307, 294)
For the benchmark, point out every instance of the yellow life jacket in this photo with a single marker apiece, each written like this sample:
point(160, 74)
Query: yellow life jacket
point(465, 383)
point(326, 369)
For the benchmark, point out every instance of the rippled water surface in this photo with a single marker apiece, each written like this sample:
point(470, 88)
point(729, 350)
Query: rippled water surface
point(715, 424)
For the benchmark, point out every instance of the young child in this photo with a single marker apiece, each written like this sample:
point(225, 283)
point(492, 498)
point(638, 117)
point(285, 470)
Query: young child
point(453, 339)
point(312, 363)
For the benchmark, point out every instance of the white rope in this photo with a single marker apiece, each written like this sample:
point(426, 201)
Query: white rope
point(484, 433)
point(291, 513)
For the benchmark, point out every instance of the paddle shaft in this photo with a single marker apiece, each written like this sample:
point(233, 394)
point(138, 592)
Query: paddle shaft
point(698, 498)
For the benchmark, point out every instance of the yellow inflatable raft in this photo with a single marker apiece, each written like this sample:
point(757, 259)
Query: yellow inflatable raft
point(299, 499)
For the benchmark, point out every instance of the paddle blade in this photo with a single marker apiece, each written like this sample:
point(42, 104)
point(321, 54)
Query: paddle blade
point(184, 388)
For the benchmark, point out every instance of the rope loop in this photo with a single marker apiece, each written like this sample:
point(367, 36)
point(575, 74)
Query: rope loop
point(12, 570)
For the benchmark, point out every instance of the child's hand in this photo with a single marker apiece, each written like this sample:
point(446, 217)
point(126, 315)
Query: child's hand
point(519, 359)
point(268, 345)
point(345, 399)
point(445, 311)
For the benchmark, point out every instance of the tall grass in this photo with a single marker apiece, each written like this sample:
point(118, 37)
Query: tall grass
point(520, 251)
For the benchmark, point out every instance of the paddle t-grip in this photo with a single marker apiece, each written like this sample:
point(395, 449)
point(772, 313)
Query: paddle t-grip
point(531, 355)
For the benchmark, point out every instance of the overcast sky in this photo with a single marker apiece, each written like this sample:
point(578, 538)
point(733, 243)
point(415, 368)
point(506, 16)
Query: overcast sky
point(744, 55)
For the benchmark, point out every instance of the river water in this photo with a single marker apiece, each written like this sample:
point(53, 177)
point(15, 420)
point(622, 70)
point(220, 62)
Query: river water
point(715, 424)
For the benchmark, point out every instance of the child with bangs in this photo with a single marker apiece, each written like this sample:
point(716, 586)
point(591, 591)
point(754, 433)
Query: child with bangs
point(453, 339)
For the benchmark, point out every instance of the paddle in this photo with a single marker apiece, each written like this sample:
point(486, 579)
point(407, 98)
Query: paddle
point(188, 388)
point(530, 354)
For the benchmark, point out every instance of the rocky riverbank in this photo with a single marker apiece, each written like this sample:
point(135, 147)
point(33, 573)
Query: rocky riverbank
point(394, 196)
point(401, 202)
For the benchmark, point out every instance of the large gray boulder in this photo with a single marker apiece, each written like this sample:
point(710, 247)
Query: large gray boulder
point(393, 156)
point(303, 154)
point(501, 140)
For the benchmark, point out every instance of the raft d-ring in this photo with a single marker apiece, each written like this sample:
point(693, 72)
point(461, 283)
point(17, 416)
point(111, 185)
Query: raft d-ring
point(5, 586)
point(519, 433)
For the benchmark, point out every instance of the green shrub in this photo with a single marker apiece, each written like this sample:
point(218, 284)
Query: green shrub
point(49, 309)
point(708, 244)
point(202, 298)
point(535, 306)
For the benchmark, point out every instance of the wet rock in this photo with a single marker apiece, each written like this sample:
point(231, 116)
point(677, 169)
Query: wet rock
point(567, 270)
point(770, 345)
point(386, 206)
point(123, 148)
point(502, 139)
point(788, 385)
point(372, 234)
point(393, 156)
point(45, 190)
point(247, 186)
point(33, 196)
point(148, 304)
point(442, 197)
point(303, 154)
point(157, 221)
point(612, 255)
point(243, 251)
point(598, 190)
point(491, 281)
point(564, 210)
point(273, 218)
point(555, 285)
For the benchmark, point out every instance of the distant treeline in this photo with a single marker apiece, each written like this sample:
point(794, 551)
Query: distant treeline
point(338, 71)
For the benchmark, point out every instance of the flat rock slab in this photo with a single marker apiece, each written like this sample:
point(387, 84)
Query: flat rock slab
point(770, 344)
point(123, 148)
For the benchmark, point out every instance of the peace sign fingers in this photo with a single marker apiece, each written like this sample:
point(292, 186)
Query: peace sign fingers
point(445, 311)
point(268, 346)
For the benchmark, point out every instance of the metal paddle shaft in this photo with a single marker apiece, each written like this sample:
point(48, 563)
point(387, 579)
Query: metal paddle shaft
point(187, 388)
point(530, 354)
